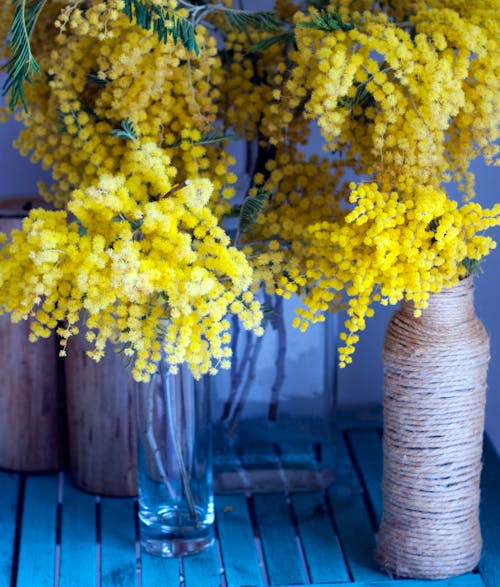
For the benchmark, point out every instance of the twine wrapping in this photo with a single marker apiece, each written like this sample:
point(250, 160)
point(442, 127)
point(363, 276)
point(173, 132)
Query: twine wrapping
point(435, 371)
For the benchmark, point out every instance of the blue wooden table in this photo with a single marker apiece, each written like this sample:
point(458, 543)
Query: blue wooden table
point(53, 534)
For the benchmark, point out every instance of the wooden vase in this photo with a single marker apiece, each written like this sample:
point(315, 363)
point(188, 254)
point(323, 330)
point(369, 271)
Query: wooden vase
point(31, 404)
point(100, 400)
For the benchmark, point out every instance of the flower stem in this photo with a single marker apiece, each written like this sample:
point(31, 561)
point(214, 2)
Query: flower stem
point(171, 400)
point(279, 379)
point(150, 435)
point(246, 388)
point(238, 376)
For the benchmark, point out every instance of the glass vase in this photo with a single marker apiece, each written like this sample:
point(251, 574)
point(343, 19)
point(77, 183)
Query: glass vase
point(274, 410)
point(176, 504)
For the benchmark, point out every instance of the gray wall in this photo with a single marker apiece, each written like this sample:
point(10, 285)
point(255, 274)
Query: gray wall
point(362, 381)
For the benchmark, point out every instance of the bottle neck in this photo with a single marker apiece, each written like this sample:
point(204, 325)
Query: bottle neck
point(448, 308)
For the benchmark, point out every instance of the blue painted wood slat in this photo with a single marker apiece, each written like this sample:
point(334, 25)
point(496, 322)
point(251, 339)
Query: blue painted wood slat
point(490, 516)
point(202, 569)
point(9, 490)
point(239, 552)
point(351, 517)
point(158, 572)
point(78, 566)
point(469, 580)
point(118, 555)
point(277, 533)
point(367, 448)
point(37, 554)
point(323, 555)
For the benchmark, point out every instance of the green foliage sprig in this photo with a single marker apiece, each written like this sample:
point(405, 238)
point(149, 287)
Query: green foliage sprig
point(251, 208)
point(207, 138)
point(242, 20)
point(472, 266)
point(93, 79)
point(328, 21)
point(164, 22)
point(362, 97)
point(285, 38)
point(126, 131)
point(22, 65)
point(61, 121)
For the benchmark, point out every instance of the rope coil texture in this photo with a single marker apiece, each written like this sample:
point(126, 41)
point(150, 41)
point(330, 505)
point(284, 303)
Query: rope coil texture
point(435, 370)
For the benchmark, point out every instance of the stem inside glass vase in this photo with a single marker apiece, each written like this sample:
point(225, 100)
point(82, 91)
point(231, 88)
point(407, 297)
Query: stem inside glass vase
point(244, 370)
point(275, 409)
point(178, 432)
point(175, 464)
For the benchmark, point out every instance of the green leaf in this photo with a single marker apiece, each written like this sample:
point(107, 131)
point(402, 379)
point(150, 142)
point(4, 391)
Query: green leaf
point(126, 132)
point(252, 207)
point(362, 97)
point(472, 266)
point(134, 224)
point(82, 230)
point(94, 80)
point(244, 20)
point(61, 122)
point(328, 21)
point(433, 224)
point(286, 38)
point(166, 23)
point(207, 138)
point(22, 65)
point(318, 4)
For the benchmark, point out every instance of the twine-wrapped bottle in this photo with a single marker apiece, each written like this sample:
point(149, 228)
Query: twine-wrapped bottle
point(435, 370)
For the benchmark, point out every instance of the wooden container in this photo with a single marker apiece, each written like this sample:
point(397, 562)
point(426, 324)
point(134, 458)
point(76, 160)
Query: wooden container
point(31, 404)
point(101, 421)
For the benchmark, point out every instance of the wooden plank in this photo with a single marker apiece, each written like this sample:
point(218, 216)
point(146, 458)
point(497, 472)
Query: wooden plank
point(367, 448)
point(469, 580)
point(277, 533)
point(202, 569)
point(118, 556)
point(239, 552)
point(9, 490)
point(38, 532)
point(78, 563)
point(490, 516)
point(352, 521)
point(157, 571)
point(321, 548)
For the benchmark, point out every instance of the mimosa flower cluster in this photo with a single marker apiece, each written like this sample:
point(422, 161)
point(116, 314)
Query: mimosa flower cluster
point(133, 269)
point(103, 73)
point(419, 97)
point(406, 244)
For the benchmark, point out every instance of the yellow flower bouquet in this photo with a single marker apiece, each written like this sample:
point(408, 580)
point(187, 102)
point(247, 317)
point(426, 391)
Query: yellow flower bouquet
point(135, 107)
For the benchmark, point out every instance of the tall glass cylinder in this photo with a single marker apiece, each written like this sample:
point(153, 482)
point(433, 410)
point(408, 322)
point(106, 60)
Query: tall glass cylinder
point(274, 410)
point(176, 504)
